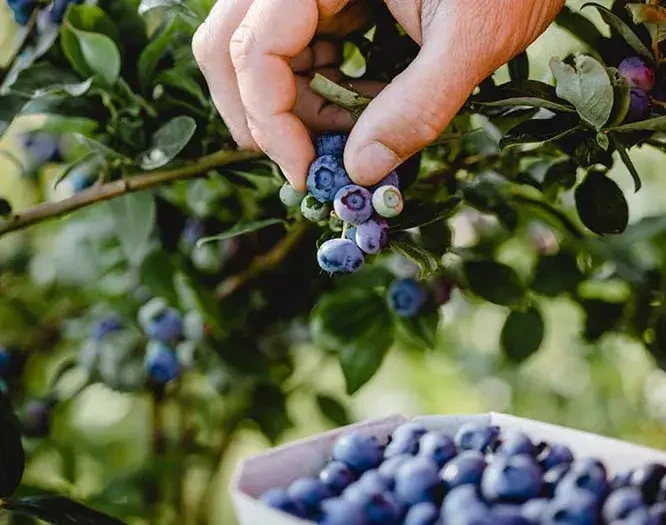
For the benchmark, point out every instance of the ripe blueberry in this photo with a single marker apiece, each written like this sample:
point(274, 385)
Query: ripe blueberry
point(438, 447)
point(389, 468)
point(308, 492)
point(313, 210)
point(585, 474)
point(621, 479)
point(358, 451)
point(515, 444)
point(22, 10)
point(41, 148)
point(372, 236)
point(553, 476)
point(406, 297)
point(573, 507)
point(411, 430)
point(382, 509)
point(534, 509)
point(106, 326)
point(512, 479)
point(424, 513)
point(374, 482)
point(648, 480)
point(418, 481)
point(331, 144)
point(465, 469)
point(290, 196)
point(339, 256)
point(387, 201)
point(325, 178)
point(278, 499)
point(508, 515)
point(342, 512)
point(463, 506)
point(161, 363)
point(658, 513)
point(79, 180)
point(638, 73)
point(353, 204)
point(621, 503)
point(59, 8)
point(336, 476)
point(554, 455)
point(639, 106)
point(167, 326)
point(474, 436)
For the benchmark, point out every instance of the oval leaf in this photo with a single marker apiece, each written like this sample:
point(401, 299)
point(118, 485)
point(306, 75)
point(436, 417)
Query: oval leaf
point(540, 130)
point(421, 213)
point(601, 204)
point(653, 124)
point(587, 86)
point(522, 334)
point(168, 141)
point(333, 409)
point(12, 456)
point(556, 274)
point(494, 282)
point(426, 261)
point(59, 510)
point(91, 54)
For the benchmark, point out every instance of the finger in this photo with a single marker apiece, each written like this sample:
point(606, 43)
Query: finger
point(211, 50)
point(269, 36)
point(319, 55)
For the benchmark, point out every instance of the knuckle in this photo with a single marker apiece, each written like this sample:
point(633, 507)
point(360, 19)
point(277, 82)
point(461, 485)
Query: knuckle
point(242, 45)
point(201, 46)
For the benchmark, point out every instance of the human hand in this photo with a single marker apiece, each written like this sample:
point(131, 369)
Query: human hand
point(257, 56)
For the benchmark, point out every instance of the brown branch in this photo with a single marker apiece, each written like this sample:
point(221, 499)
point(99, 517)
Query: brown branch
point(263, 262)
point(117, 188)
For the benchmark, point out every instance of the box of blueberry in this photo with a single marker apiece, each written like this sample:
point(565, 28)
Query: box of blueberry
point(490, 469)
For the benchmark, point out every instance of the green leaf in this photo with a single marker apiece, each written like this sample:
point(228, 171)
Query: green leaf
point(94, 19)
point(152, 54)
point(579, 26)
point(426, 261)
point(178, 5)
point(601, 205)
point(333, 409)
point(556, 274)
point(10, 107)
point(182, 79)
point(167, 142)
point(540, 131)
point(421, 213)
point(522, 334)
point(621, 97)
point(193, 295)
point(91, 54)
point(12, 456)
point(89, 162)
point(653, 124)
point(420, 329)
point(46, 79)
point(97, 147)
point(624, 155)
point(494, 282)
point(158, 271)
point(59, 510)
point(241, 228)
point(356, 324)
point(587, 86)
point(603, 141)
point(623, 29)
point(519, 67)
point(134, 217)
point(527, 93)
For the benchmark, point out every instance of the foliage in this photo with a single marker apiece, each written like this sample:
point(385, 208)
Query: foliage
point(168, 208)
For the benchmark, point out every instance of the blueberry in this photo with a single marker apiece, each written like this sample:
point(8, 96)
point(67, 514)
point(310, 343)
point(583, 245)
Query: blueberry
point(290, 196)
point(463, 506)
point(339, 256)
point(194, 230)
point(36, 418)
point(389, 468)
point(586, 474)
point(411, 429)
point(106, 326)
point(308, 492)
point(438, 447)
point(474, 436)
point(406, 297)
point(639, 106)
point(166, 326)
point(508, 515)
point(325, 178)
point(383, 509)
point(648, 480)
point(401, 446)
point(23, 10)
point(5, 360)
point(331, 144)
point(553, 455)
point(358, 451)
point(373, 481)
point(573, 507)
point(342, 512)
point(353, 204)
point(512, 479)
point(465, 469)
point(313, 210)
point(392, 179)
point(515, 444)
point(621, 479)
point(553, 476)
point(640, 516)
point(41, 147)
point(422, 514)
point(638, 73)
point(59, 8)
point(336, 476)
point(387, 201)
point(161, 363)
point(658, 513)
point(79, 180)
point(534, 509)
point(621, 503)
point(351, 234)
point(372, 236)
point(280, 500)
point(417, 481)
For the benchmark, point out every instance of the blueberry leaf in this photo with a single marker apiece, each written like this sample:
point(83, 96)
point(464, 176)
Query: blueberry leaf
point(556, 274)
point(626, 159)
point(178, 5)
point(587, 86)
point(601, 204)
point(241, 228)
point(421, 213)
point(526, 93)
point(540, 131)
point(58, 510)
point(522, 334)
point(158, 271)
point(333, 409)
point(134, 217)
point(156, 49)
point(356, 325)
point(167, 142)
point(426, 261)
point(579, 26)
point(652, 124)
point(12, 456)
point(421, 329)
point(91, 54)
point(494, 282)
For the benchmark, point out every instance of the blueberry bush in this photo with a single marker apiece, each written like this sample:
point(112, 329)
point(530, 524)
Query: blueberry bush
point(152, 257)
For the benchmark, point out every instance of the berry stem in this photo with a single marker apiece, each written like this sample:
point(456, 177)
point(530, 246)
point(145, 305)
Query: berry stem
point(345, 228)
point(354, 102)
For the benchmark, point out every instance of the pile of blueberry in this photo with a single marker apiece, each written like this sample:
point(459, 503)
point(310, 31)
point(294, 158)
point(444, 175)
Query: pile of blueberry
point(360, 213)
point(641, 79)
point(23, 9)
point(478, 477)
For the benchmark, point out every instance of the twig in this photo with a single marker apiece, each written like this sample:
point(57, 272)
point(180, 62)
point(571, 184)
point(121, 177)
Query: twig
point(118, 188)
point(263, 262)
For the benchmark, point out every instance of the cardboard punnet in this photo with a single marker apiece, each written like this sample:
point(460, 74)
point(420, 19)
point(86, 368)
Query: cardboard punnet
point(281, 466)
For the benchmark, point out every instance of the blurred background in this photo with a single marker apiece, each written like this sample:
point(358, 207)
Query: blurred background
point(59, 279)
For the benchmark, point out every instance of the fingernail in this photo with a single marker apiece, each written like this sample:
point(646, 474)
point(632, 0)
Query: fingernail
point(372, 162)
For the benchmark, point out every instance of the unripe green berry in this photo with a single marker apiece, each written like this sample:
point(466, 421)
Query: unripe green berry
point(313, 210)
point(387, 201)
point(290, 196)
point(335, 223)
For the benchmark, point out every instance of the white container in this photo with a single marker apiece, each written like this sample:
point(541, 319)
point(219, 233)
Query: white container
point(279, 467)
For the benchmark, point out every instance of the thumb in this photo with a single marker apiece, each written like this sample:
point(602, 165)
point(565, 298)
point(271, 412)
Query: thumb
point(414, 109)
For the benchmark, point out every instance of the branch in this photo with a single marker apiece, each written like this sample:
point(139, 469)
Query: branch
point(264, 262)
point(117, 188)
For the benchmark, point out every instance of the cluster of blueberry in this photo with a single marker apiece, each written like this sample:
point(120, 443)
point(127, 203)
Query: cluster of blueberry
point(23, 9)
point(641, 78)
point(360, 213)
point(478, 477)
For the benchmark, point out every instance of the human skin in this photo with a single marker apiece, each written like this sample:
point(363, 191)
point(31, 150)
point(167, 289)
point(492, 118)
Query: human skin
point(258, 57)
